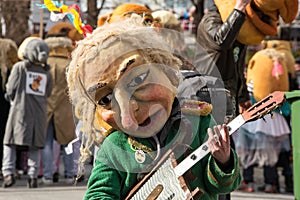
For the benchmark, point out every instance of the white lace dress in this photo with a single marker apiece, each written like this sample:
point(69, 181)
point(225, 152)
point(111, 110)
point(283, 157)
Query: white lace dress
point(260, 142)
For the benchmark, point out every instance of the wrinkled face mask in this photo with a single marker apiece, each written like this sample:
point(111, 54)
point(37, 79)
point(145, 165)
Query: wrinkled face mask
point(139, 101)
point(143, 100)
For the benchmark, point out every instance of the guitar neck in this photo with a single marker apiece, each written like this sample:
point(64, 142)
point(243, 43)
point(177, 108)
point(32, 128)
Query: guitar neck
point(203, 150)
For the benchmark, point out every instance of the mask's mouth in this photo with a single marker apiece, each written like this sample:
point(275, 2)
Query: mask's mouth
point(263, 22)
point(146, 122)
point(150, 126)
point(152, 118)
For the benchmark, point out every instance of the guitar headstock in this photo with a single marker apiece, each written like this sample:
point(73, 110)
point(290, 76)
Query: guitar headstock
point(264, 106)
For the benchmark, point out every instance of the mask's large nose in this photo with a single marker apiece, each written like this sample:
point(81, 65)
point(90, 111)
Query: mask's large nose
point(126, 110)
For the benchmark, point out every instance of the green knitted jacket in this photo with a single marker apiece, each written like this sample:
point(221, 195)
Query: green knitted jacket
point(113, 175)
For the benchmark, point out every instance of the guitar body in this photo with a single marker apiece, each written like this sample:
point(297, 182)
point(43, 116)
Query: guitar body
point(162, 182)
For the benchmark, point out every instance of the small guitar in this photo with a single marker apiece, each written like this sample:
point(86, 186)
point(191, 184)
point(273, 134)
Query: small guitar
point(165, 180)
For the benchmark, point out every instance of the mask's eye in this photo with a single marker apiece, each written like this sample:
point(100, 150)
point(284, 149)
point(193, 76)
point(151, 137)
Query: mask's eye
point(105, 100)
point(147, 21)
point(138, 80)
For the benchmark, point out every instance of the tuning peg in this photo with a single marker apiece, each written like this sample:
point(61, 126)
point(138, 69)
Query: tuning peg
point(280, 111)
point(272, 115)
point(264, 119)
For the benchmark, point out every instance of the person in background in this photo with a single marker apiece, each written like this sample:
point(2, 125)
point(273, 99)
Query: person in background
point(8, 57)
point(26, 124)
point(260, 142)
point(61, 125)
point(225, 56)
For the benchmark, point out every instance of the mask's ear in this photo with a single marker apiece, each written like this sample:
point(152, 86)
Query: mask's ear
point(103, 19)
point(289, 11)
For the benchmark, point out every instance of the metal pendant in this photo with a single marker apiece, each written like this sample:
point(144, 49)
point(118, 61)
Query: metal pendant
point(140, 156)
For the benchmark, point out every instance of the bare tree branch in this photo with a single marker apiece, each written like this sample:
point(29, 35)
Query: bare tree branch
point(101, 6)
point(16, 17)
point(93, 12)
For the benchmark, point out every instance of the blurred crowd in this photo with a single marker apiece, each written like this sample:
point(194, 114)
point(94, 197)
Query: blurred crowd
point(37, 112)
point(38, 127)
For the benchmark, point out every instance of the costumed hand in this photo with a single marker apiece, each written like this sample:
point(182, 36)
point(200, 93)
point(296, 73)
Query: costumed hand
point(241, 5)
point(219, 144)
point(244, 106)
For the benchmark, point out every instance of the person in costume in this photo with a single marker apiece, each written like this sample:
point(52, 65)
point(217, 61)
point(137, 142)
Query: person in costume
point(26, 124)
point(223, 55)
point(260, 142)
point(123, 81)
point(284, 160)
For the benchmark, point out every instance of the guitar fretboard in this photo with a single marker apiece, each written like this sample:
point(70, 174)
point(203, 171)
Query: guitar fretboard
point(203, 150)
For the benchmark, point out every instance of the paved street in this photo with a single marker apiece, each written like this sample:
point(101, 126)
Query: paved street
point(76, 193)
point(43, 193)
point(61, 191)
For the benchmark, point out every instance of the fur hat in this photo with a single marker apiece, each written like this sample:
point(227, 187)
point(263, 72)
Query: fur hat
point(59, 46)
point(64, 29)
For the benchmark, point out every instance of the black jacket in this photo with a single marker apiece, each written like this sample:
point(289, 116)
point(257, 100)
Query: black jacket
point(222, 55)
